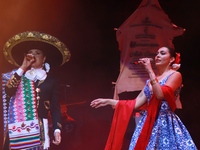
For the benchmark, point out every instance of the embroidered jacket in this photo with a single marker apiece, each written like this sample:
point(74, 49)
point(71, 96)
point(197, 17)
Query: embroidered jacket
point(47, 97)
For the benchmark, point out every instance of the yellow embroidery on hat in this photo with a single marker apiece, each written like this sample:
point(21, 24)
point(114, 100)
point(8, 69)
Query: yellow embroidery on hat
point(8, 44)
point(45, 37)
point(5, 53)
point(35, 36)
point(30, 34)
point(58, 43)
point(17, 37)
point(66, 52)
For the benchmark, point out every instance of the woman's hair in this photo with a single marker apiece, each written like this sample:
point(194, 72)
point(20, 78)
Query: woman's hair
point(171, 51)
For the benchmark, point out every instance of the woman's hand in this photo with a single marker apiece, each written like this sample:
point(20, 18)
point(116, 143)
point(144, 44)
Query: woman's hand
point(57, 137)
point(100, 102)
point(146, 62)
point(28, 59)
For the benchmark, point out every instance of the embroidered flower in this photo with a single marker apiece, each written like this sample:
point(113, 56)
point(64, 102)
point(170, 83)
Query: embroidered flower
point(23, 125)
point(37, 127)
point(28, 129)
point(32, 124)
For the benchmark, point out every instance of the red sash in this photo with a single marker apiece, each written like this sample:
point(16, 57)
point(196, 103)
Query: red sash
point(123, 113)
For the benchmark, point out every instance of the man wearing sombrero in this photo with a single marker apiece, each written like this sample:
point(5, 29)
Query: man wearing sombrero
point(29, 92)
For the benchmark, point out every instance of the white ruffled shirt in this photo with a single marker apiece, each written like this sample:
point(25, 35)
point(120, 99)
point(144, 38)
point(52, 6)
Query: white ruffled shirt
point(33, 74)
point(36, 74)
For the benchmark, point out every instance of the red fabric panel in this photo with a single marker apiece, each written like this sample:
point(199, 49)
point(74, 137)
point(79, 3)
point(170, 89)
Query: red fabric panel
point(145, 134)
point(120, 122)
point(154, 105)
point(123, 113)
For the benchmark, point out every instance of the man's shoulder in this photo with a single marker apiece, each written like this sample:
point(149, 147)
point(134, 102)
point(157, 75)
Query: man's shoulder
point(8, 75)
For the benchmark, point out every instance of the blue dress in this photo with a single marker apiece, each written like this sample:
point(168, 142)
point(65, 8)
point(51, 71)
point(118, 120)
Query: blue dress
point(168, 132)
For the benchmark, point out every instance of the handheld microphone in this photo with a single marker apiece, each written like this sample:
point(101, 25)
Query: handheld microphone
point(30, 57)
point(137, 62)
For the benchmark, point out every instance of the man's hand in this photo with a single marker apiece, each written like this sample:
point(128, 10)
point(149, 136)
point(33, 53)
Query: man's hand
point(57, 137)
point(28, 59)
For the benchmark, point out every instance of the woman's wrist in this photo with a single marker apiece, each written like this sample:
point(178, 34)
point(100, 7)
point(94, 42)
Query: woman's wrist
point(112, 102)
point(154, 81)
point(152, 75)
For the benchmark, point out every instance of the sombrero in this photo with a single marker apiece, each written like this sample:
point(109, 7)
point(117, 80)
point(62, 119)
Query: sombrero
point(56, 51)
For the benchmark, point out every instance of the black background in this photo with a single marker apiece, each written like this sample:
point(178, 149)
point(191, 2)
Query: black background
point(86, 27)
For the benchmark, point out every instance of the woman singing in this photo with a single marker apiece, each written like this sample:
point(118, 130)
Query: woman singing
point(160, 127)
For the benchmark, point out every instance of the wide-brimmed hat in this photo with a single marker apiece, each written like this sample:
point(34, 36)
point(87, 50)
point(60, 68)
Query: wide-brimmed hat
point(56, 51)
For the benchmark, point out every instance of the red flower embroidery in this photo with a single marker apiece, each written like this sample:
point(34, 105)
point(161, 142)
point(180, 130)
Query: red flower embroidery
point(14, 127)
point(28, 129)
point(23, 125)
point(19, 130)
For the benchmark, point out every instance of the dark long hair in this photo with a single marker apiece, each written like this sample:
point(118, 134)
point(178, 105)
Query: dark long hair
point(172, 53)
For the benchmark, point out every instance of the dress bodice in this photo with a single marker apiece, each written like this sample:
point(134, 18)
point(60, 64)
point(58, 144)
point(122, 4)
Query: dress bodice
point(164, 104)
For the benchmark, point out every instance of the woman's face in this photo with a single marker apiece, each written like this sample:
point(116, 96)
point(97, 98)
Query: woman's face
point(39, 58)
point(163, 57)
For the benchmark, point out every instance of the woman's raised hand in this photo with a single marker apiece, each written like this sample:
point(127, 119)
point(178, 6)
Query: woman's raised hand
point(100, 102)
point(146, 62)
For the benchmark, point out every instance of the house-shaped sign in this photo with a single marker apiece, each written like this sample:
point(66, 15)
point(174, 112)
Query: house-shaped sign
point(141, 35)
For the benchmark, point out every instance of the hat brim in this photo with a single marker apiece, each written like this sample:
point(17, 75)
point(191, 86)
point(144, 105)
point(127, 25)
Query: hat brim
point(55, 51)
point(53, 56)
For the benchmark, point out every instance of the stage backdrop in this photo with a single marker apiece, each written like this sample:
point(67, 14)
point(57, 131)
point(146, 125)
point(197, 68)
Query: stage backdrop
point(146, 30)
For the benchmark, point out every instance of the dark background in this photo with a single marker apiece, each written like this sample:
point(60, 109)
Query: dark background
point(86, 27)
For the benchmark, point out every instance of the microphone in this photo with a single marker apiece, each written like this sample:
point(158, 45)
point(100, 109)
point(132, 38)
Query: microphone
point(137, 62)
point(30, 56)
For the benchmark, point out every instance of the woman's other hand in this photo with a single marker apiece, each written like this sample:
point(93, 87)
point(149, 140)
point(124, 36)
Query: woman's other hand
point(100, 102)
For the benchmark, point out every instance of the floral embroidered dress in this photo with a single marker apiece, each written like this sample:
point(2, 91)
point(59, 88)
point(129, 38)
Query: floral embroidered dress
point(168, 132)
